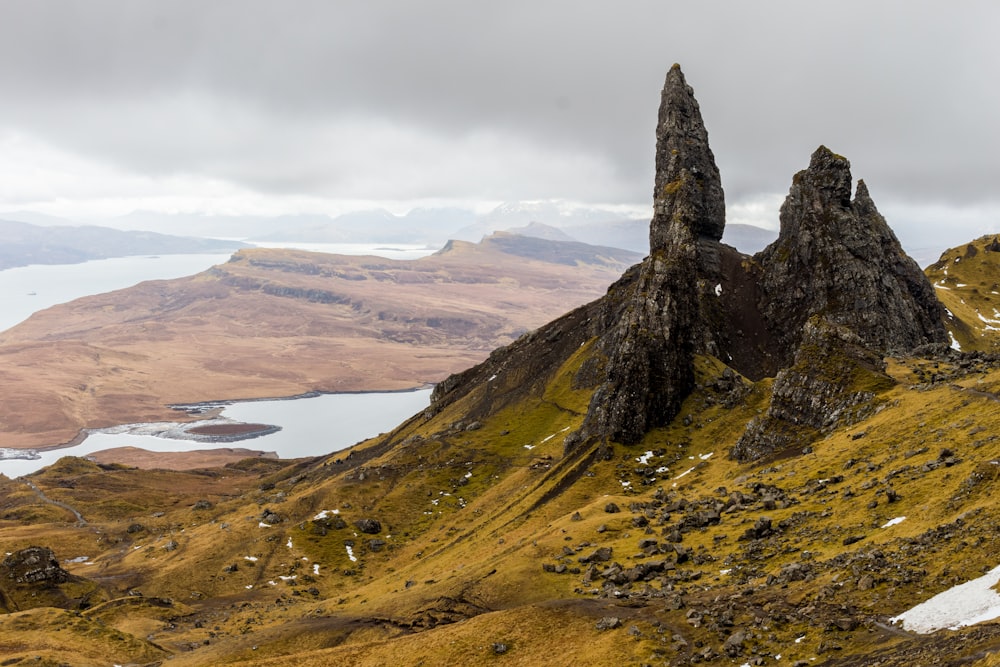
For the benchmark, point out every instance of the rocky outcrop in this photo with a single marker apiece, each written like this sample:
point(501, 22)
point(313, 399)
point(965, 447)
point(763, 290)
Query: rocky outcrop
point(833, 382)
point(33, 565)
point(688, 188)
point(649, 344)
point(837, 258)
point(838, 293)
point(817, 309)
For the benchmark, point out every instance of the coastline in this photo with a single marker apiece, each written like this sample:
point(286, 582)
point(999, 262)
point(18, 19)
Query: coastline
point(171, 429)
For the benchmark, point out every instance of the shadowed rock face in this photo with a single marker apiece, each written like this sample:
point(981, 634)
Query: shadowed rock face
point(837, 258)
point(649, 348)
point(33, 565)
point(688, 188)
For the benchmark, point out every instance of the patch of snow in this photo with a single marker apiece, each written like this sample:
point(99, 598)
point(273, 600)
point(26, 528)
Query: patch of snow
point(724, 571)
point(705, 457)
point(644, 459)
point(529, 447)
point(625, 484)
point(248, 586)
point(350, 554)
point(315, 568)
point(468, 474)
point(263, 525)
point(662, 469)
point(958, 259)
point(272, 582)
point(252, 559)
point(289, 545)
point(966, 604)
point(959, 284)
point(78, 559)
point(954, 343)
point(950, 314)
point(941, 286)
point(893, 522)
point(798, 640)
point(718, 290)
point(492, 378)
point(288, 578)
point(684, 473)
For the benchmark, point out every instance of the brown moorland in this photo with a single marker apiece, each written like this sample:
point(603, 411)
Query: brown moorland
point(272, 323)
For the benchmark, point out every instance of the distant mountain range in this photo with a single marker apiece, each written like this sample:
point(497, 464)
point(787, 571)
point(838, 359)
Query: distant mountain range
point(433, 227)
point(25, 244)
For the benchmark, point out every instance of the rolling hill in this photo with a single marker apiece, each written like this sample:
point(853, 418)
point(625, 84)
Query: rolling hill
point(274, 323)
point(726, 459)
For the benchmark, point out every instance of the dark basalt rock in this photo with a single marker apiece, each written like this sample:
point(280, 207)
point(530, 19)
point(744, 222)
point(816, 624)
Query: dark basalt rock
point(688, 188)
point(817, 309)
point(649, 344)
point(34, 565)
point(838, 258)
point(833, 382)
point(838, 293)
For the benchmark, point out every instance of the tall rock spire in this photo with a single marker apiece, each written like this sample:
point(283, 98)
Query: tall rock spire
point(649, 335)
point(688, 189)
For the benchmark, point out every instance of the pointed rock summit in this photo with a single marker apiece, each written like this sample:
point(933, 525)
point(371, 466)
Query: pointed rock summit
point(648, 349)
point(837, 258)
point(688, 188)
point(817, 310)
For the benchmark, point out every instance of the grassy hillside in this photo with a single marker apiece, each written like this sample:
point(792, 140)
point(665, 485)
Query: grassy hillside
point(967, 282)
point(470, 535)
point(272, 323)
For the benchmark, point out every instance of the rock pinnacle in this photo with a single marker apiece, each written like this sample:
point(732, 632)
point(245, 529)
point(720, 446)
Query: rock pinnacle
point(688, 188)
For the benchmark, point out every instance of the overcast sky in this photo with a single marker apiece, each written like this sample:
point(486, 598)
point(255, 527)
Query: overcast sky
point(247, 106)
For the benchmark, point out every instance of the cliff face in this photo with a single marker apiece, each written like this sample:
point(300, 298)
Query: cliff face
point(817, 309)
point(837, 258)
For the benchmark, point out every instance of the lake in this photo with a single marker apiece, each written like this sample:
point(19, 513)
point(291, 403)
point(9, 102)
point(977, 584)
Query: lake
point(310, 426)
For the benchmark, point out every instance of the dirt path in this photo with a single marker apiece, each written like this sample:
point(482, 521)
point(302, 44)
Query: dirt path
point(80, 521)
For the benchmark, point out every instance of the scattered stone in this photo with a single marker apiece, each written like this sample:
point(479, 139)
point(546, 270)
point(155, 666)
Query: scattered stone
point(600, 555)
point(609, 623)
point(369, 526)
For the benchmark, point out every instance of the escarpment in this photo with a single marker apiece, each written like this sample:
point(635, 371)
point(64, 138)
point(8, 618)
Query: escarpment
point(837, 258)
point(818, 309)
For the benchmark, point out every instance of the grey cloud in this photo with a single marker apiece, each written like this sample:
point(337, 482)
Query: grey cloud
point(254, 91)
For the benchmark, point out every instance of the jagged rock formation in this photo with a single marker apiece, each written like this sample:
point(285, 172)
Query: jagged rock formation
point(817, 309)
point(839, 293)
point(833, 382)
point(649, 346)
point(33, 565)
point(688, 188)
point(838, 258)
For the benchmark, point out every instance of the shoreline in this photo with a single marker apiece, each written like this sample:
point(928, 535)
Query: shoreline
point(207, 405)
point(9, 453)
